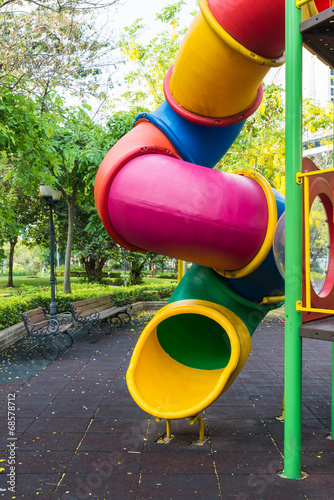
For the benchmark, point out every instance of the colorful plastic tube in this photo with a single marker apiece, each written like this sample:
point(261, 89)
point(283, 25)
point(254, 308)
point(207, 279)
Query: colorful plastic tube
point(265, 280)
point(175, 208)
point(145, 139)
point(216, 76)
point(257, 25)
point(194, 348)
point(154, 193)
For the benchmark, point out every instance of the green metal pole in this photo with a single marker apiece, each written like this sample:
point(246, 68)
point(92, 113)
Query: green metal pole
point(332, 422)
point(293, 243)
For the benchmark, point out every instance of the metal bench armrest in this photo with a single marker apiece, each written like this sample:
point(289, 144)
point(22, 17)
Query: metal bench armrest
point(50, 328)
point(66, 317)
point(93, 316)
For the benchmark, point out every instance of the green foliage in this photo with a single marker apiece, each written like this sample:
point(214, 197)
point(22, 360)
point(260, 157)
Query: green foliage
point(261, 143)
point(92, 244)
point(138, 262)
point(25, 145)
point(119, 124)
point(152, 60)
point(166, 276)
point(317, 119)
point(30, 298)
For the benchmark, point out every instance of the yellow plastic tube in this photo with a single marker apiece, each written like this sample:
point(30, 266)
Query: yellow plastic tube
point(213, 75)
point(167, 388)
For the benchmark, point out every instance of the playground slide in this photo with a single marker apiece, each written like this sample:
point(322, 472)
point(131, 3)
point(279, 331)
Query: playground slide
point(156, 191)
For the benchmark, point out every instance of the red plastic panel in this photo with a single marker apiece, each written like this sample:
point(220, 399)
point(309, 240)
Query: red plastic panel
point(322, 4)
point(322, 186)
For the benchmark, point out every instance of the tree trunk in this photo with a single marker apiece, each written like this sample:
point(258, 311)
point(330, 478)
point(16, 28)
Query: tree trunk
point(153, 269)
point(69, 244)
point(93, 268)
point(99, 268)
point(10, 283)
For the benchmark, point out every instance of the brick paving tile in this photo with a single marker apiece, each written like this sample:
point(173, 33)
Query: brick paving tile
point(102, 486)
point(80, 434)
point(264, 486)
point(30, 486)
point(105, 462)
point(177, 486)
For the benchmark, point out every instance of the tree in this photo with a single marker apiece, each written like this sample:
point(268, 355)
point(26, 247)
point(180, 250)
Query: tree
point(152, 60)
point(20, 211)
point(25, 145)
point(43, 50)
point(318, 132)
point(261, 144)
point(81, 146)
point(59, 149)
point(93, 244)
point(58, 6)
point(138, 262)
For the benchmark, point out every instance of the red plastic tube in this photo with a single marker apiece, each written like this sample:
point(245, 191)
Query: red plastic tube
point(259, 25)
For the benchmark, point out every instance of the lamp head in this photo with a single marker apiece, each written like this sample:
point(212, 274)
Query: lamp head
point(48, 193)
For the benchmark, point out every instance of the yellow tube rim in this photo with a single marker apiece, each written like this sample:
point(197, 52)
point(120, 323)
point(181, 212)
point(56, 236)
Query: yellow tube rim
point(272, 222)
point(229, 40)
point(218, 380)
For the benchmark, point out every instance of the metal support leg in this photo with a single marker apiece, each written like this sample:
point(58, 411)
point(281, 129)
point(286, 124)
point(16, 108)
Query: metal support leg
point(201, 426)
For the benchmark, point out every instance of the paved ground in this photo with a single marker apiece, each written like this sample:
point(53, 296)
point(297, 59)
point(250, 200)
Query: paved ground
point(81, 436)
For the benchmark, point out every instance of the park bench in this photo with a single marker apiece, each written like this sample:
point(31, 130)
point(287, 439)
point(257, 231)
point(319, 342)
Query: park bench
point(46, 330)
point(100, 310)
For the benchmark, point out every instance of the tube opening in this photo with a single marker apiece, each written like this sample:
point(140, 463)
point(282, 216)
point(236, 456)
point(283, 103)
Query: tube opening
point(195, 341)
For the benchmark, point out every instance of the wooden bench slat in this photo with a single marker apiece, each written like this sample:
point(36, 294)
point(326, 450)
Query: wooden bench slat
point(97, 300)
point(93, 311)
point(37, 319)
point(35, 312)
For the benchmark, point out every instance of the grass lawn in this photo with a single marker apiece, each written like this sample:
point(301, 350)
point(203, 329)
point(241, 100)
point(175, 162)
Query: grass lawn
point(44, 282)
point(20, 281)
point(150, 281)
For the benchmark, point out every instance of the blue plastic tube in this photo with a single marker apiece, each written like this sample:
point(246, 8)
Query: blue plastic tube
point(199, 144)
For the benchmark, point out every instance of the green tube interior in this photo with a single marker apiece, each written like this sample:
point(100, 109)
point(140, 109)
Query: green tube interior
point(195, 341)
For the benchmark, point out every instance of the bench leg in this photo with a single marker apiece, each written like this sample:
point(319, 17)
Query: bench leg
point(70, 339)
point(127, 317)
point(44, 343)
point(95, 330)
point(110, 322)
point(32, 348)
point(54, 352)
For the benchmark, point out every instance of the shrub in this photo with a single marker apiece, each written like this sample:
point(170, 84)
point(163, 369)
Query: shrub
point(32, 297)
point(118, 281)
point(167, 276)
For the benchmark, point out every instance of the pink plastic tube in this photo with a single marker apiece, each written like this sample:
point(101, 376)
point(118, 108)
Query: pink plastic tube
point(193, 213)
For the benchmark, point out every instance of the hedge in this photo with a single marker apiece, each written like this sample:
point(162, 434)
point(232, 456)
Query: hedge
point(30, 298)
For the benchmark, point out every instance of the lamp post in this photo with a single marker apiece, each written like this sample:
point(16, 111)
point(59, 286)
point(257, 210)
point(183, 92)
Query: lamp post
point(51, 197)
point(124, 265)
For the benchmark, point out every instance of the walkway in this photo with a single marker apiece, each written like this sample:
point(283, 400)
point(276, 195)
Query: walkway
point(81, 436)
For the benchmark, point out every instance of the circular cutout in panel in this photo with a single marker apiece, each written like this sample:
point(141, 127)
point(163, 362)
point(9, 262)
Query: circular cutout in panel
point(319, 245)
point(279, 245)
